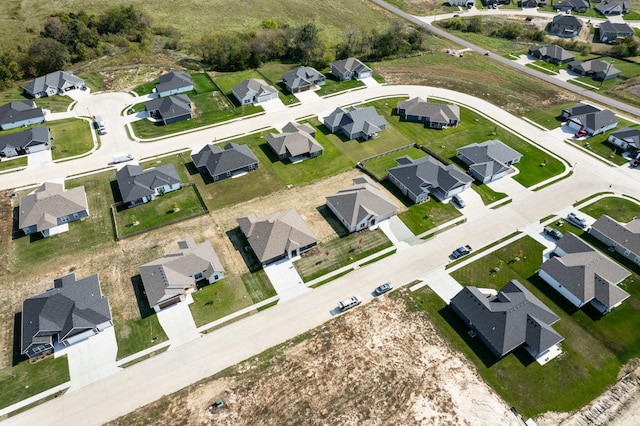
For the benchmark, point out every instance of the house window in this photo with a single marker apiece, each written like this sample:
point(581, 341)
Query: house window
point(627, 252)
point(198, 276)
point(215, 277)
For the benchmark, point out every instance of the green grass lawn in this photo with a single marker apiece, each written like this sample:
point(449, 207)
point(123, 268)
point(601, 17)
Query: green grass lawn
point(594, 348)
point(619, 209)
point(71, 137)
point(258, 285)
point(55, 103)
point(137, 335)
point(333, 85)
point(179, 161)
point(218, 300)
point(487, 194)
point(25, 380)
point(93, 81)
point(159, 211)
point(14, 163)
point(270, 73)
point(599, 146)
point(422, 217)
point(341, 252)
point(549, 118)
point(379, 166)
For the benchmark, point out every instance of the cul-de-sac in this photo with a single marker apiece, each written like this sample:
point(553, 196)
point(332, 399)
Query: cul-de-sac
point(353, 213)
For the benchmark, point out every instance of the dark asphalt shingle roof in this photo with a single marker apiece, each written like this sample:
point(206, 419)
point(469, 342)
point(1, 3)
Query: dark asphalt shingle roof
point(355, 120)
point(350, 64)
point(629, 135)
point(19, 111)
point(173, 80)
point(489, 157)
point(135, 183)
point(362, 199)
point(21, 140)
point(219, 161)
point(170, 107)
point(47, 203)
point(552, 51)
point(427, 173)
point(626, 235)
point(56, 79)
point(302, 77)
point(295, 139)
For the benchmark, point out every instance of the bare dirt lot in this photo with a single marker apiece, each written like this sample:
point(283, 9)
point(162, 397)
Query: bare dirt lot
point(379, 364)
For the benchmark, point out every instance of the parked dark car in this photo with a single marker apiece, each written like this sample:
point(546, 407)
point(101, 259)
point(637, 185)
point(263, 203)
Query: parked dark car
point(381, 289)
point(461, 251)
point(552, 232)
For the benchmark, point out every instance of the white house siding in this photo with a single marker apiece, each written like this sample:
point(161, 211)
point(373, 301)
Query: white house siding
point(79, 337)
point(212, 279)
point(21, 123)
point(175, 91)
point(267, 97)
point(604, 129)
point(618, 142)
point(364, 74)
point(560, 288)
point(36, 148)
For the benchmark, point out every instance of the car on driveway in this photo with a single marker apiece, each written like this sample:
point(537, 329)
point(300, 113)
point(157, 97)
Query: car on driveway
point(381, 289)
point(552, 232)
point(580, 133)
point(459, 201)
point(576, 220)
point(635, 163)
point(461, 251)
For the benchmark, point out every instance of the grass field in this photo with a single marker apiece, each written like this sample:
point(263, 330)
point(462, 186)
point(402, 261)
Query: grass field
point(380, 165)
point(333, 85)
point(138, 334)
point(53, 103)
point(13, 163)
point(71, 137)
point(619, 209)
point(549, 118)
point(594, 348)
point(218, 300)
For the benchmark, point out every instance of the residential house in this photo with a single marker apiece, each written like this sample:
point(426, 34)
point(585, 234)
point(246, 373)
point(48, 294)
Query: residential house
point(169, 110)
point(418, 179)
point(302, 79)
point(565, 26)
point(622, 238)
point(551, 53)
point(20, 114)
point(578, 109)
point(55, 83)
point(72, 311)
point(173, 83)
point(350, 68)
point(489, 160)
point(169, 279)
point(435, 115)
point(220, 163)
point(139, 186)
point(583, 275)
point(595, 68)
point(509, 319)
point(580, 6)
point(281, 235)
point(50, 208)
point(361, 206)
point(613, 7)
point(593, 123)
point(254, 91)
point(466, 3)
point(532, 3)
point(355, 122)
point(29, 141)
point(626, 138)
point(610, 32)
point(297, 142)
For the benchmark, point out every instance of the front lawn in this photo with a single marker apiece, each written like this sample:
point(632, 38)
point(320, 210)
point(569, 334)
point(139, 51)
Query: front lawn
point(56, 103)
point(136, 335)
point(218, 300)
point(13, 163)
point(333, 85)
point(340, 252)
point(619, 209)
point(599, 146)
point(379, 166)
point(71, 137)
point(25, 380)
point(549, 118)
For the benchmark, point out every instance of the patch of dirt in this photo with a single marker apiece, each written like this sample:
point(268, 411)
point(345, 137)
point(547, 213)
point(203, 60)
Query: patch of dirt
point(380, 364)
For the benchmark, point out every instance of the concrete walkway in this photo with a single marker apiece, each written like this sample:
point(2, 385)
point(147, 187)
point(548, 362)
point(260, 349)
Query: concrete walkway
point(285, 279)
point(398, 233)
point(178, 323)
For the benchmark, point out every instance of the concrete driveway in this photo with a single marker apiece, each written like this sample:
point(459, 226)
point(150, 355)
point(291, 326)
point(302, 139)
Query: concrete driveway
point(286, 280)
point(178, 323)
point(93, 359)
point(39, 158)
point(398, 233)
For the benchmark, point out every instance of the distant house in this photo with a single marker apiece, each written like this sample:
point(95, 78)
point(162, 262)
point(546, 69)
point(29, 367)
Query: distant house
point(19, 114)
point(350, 68)
point(511, 318)
point(610, 32)
point(169, 110)
point(281, 235)
point(580, 6)
point(302, 79)
point(465, 3)
point(173, 83)
point(551, 53)
point(72, 311)
point(50, 208)
point(254, 91)
point(31, 140)
point(489, 160)
point(355, 122)
point(220, 163)
point(613, 7)
point(565, 26)
point(623, 238)
point(593, 123)
point(595, 68)
point(296, 142)
point(437, 116)
point(626, 138)
point(139, 186)
point(55, 83)
point(426, 176)
point(361, 206)
point(583, 275)
point(169, 279)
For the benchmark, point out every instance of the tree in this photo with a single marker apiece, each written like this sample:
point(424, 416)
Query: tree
point(46, 55)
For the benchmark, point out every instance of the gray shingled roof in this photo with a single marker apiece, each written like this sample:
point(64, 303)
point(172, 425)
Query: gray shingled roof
point(355, 120)
point(629, 135)
point(580, 109)
point(489, 157)
point(428, 173)
point(511, 318)
point(22, 140)
point(49, 202)
point(567, 21)
point(19, 111)
point(302, 77)
point(572, 4)
point(595, 120)
point(595, 66)
point(135, 183)
point(626, 235)
point(552, 51)
point(177, 269)
point(252, 85)
point(276, 234)
point(71, 307)
point(620, 28)
point(350, 64)
point(219, 161)
point(438, 113)
point(586, 273)
point(295, 139)
point(362, 199)
point(170, 107)
point(173, 80)
point(56, 79)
